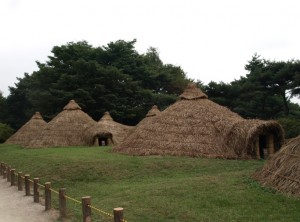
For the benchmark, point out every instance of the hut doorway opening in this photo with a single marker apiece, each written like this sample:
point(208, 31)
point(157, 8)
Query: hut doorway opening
point(102, 141)
point(266, 146)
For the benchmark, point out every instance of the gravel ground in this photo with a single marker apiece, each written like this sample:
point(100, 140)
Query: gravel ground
point(16, 207)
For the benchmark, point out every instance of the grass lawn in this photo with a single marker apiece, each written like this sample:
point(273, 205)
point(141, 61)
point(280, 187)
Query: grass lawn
point(155, 188)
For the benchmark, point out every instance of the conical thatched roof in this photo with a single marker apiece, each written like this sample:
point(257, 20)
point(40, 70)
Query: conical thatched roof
point(153, 111)
point(28, 131)
point(71, 127)
point(282, 171)
point(196, 126)
point(118, 130)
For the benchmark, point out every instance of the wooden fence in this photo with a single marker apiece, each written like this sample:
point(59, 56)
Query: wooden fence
point(18, 179)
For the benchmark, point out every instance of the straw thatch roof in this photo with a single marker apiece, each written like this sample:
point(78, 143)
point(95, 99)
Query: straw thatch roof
point(282, 171)
point(71, 127)
point(118, 130)
point(244, 134)
point(28, 131)
point(153, 111)
point(196, 126)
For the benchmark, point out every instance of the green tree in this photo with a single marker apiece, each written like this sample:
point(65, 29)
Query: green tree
point(273, 78)
point(114, 78)
point(5, 132)
point(264, 93)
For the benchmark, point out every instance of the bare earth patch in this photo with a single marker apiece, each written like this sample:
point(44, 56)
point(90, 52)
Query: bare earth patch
point(16, 207)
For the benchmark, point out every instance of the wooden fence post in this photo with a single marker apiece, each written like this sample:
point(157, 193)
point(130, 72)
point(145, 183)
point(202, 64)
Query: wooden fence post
point(36, 192)
point(86, 210)
point(27, 185)
point(12, 177)
point(20, 182)
point(4, 172)
point(62, 203)
point(47, 196)
point(118, 214)
point(8, 173)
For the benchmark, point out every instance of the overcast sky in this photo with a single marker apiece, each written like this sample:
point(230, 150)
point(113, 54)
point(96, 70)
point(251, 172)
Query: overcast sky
point(211, 40)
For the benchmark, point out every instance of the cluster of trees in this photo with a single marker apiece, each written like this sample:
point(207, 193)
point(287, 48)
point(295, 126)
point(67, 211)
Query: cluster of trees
point(116, 78)
point(264, 93)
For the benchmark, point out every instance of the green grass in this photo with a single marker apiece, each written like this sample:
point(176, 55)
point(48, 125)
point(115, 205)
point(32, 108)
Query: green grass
point(155, 188)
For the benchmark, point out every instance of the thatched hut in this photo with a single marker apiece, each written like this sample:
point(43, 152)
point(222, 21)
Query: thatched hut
point(28, 131)
point(119, 131)
point(71, 127)
point(282, 171)
point(196, 126)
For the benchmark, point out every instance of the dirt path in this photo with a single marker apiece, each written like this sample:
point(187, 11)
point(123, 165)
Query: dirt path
point(16, 207)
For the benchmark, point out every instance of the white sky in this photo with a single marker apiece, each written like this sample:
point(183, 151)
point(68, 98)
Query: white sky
point(211, 40)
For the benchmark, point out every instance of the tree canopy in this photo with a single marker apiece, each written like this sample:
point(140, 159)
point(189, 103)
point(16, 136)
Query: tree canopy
point(114, 78)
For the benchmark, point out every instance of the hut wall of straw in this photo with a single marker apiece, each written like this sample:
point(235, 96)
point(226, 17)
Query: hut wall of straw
point(282, 170)
point(28, 131)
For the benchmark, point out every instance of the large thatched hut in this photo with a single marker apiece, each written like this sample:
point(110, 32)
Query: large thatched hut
point(196, 126)
point(71, 127)
point(119, 131)
point(282, 170)
point(28, 131)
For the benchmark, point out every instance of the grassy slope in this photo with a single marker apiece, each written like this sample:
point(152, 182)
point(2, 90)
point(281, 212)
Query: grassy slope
point(156, 188)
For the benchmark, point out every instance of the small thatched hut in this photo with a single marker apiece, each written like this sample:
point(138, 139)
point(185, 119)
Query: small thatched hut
point(282, 171)
point(119, 131)
point(196, 126)
point(71, 127)
point(28, 131)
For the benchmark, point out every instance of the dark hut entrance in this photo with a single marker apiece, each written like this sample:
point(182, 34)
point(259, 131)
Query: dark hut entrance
point(102, 141)
point(265, 146)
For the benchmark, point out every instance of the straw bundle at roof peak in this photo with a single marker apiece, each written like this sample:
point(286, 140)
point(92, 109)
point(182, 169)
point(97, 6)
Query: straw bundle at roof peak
point(153, 111)
point(106, 117)
point(72, 105)
point(37, 115)
point(192, 92)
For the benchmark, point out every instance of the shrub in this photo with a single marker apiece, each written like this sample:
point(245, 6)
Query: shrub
point(5, 132)
point(291, 126)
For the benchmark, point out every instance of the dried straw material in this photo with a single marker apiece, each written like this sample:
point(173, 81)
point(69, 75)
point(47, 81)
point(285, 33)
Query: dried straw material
point(191, 92)
point(243, 135)
point(153, 111)
point(282, 170)
point(71, 127)
point(119, 131)
point(28, 131)
point(195, 126)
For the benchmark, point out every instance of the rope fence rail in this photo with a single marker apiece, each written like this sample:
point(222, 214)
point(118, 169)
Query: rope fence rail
point(8, 173)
